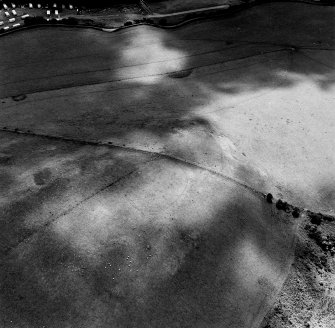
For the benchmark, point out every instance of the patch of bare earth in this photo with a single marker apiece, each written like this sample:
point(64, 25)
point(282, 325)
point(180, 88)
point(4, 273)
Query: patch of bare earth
point(307, 298)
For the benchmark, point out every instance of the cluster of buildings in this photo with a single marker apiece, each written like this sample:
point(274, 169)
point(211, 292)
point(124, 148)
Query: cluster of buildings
point(12, 15)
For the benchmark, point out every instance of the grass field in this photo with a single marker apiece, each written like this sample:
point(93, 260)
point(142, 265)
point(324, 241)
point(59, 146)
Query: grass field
point(132, 166)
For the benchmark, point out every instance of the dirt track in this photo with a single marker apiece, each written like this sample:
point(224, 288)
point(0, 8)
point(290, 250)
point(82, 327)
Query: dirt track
point(94, 236)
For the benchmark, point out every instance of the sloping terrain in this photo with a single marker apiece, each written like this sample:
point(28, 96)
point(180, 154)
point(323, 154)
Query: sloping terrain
point(132, 167)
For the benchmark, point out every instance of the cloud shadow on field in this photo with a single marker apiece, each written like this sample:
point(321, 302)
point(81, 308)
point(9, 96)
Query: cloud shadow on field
point(181, 274)
point(157, 106)
point(153, 82)
point(37, 186)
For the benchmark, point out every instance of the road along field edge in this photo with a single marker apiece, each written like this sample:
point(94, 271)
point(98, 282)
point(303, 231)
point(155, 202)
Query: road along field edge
point(185, 17)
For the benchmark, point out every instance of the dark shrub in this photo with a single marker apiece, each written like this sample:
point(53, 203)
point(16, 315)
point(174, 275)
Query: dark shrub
point(70, 21)
point(87, 22)
point(279, 204)
point(296, 212)
point(316, 218)
point(283, 206)
point(35, 20)
point(97, 24)
point(162, 21)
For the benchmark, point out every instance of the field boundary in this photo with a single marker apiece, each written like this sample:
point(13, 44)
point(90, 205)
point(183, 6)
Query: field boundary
point(209, 12)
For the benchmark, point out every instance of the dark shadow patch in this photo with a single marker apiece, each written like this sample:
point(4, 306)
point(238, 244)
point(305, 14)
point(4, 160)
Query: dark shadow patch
point(12, 225)
point(52, 284)
point(180, 74)
point(6, 181)
point(42, 177)
point(19, 97)
point(5, 159)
